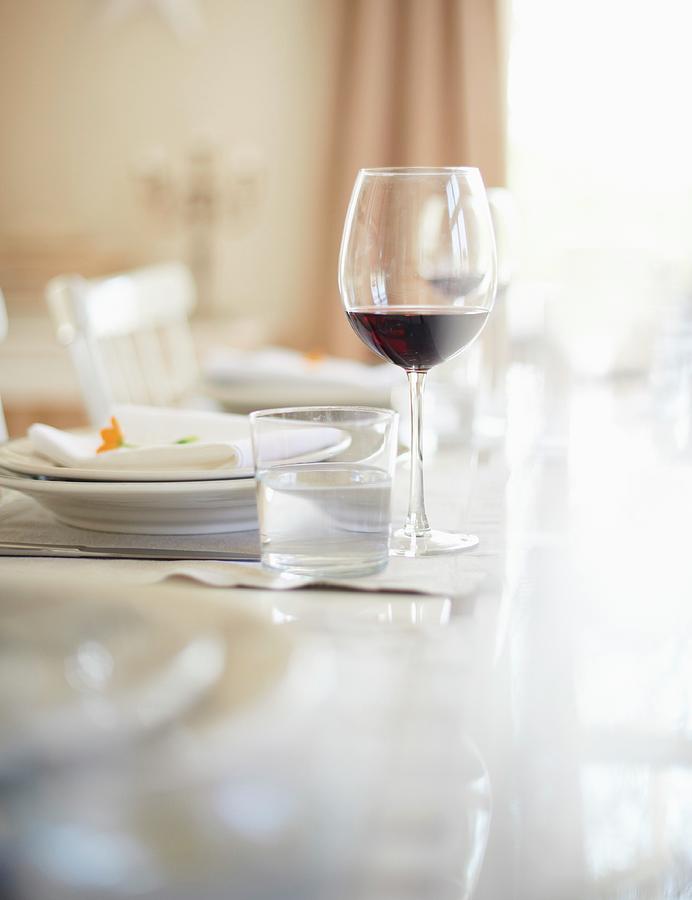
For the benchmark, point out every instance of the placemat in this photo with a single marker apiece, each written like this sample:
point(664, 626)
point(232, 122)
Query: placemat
point(25, 522)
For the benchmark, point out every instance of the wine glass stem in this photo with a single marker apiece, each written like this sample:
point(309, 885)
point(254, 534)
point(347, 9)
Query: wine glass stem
point(416, 520)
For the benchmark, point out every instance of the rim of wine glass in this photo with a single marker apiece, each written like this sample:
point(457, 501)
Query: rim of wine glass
point(420, 170)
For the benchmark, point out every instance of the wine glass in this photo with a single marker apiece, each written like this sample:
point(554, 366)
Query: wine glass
point(417, 276)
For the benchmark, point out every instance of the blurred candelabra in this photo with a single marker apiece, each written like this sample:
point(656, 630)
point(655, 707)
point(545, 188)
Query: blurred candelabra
point(202, 202)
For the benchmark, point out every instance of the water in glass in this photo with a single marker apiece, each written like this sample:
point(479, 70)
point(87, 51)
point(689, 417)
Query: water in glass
point(331, 518)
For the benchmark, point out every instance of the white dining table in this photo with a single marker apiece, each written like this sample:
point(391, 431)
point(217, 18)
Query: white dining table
point(527, 736)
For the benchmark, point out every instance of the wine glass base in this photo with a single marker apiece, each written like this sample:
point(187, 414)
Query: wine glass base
point(433, 543)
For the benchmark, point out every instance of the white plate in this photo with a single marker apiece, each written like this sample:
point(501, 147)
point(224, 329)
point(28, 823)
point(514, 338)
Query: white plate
point(184, 507)
point(19, 456)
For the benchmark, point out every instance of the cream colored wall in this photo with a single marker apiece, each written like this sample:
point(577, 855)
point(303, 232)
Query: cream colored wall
point(84, 105)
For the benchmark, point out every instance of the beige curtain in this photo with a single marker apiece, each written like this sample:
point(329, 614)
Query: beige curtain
point(416, 82)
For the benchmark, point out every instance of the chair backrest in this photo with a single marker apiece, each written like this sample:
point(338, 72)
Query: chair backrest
point(3, 335)
point(128, 335)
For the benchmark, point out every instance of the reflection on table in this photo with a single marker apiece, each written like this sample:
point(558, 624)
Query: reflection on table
point(528, 739)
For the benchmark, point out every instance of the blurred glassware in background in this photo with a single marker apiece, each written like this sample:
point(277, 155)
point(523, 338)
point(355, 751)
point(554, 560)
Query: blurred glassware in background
point(671, 374)
point(504, 216)
point(606, 308)
point(451, 402)
point(459, 394)
point(495, 341)
point(466, 395)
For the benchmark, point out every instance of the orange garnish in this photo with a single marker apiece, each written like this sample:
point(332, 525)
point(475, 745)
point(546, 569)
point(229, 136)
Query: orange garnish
point(313, 356)
point(112, 437)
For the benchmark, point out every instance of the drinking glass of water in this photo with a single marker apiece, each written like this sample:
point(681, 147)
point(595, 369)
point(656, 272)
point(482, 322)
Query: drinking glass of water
point(324, 485)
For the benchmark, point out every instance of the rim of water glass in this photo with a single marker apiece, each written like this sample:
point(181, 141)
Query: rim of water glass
point(383, 413)
point(420, 170)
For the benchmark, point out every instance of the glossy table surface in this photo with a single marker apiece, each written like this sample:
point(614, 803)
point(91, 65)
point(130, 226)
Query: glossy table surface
point(532, 739)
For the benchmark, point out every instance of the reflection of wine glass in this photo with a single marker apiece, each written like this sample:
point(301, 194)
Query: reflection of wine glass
point(417, 275)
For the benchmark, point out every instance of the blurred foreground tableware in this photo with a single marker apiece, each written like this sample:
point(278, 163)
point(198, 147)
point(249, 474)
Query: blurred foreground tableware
point(329, 518)
point(77, 677)
point(205, 799)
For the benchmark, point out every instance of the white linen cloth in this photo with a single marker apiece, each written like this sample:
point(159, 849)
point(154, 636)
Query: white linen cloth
point(222, 441)
point(273, 364)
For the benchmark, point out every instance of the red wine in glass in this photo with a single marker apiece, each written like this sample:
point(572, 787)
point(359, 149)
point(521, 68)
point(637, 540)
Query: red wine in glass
point(417, 338)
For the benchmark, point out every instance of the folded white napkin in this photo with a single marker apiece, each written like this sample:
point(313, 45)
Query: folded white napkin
point(219, 441)
point(278, 363)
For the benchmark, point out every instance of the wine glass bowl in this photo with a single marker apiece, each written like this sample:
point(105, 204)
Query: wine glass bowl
point(417, 277)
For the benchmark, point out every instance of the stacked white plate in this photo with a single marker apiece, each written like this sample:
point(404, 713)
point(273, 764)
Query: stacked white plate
point(135, 501)
point(186, 499)
point(128, 495)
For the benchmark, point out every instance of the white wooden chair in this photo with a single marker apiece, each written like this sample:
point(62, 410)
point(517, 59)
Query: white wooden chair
point(128, 335)
point(3, 335)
